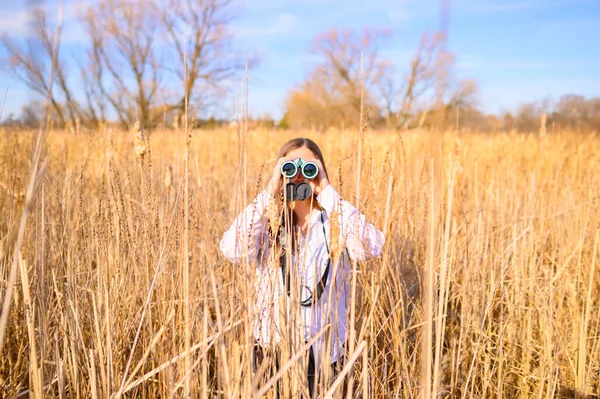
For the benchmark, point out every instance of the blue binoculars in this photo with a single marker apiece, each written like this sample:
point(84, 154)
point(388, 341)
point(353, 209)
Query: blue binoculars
point(289, 169)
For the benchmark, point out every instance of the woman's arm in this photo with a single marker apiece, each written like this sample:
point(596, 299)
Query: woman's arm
point(362, 239)
point(243, 239)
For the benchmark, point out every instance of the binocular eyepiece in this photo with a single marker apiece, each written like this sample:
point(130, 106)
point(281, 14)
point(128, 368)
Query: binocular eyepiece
point(300, 191)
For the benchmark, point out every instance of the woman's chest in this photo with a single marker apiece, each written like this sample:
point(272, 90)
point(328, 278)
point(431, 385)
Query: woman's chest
point(312, 254)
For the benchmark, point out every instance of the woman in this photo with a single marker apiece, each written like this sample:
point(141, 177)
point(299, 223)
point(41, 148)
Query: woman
point(315, 286)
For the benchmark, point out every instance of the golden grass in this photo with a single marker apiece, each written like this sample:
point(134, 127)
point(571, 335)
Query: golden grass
point(497, 234)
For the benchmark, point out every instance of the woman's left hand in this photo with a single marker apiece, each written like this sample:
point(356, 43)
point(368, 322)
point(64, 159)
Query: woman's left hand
point(319, 183)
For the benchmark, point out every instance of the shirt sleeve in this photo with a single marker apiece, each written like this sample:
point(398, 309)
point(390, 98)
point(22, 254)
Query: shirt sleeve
point(244, 237)
point(362, 239)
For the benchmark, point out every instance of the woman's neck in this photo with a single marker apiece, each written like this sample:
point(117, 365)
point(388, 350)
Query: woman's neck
point(303, 210)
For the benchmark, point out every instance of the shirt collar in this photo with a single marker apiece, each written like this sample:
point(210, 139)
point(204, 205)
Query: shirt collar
point(316, 216)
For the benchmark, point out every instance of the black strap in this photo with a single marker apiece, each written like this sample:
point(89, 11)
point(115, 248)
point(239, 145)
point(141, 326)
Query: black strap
point(322, 283)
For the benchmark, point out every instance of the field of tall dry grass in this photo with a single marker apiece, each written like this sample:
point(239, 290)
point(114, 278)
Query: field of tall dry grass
point(488, 286)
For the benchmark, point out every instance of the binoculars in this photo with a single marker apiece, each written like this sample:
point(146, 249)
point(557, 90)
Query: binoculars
point(300, 191)
point(290, 169)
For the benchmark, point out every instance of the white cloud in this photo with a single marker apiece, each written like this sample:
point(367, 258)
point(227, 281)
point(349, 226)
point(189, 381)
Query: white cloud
point(504, 6)
point(18, 23)
point(398, 16)
point(522, 65)
point(476, 62)
point(14, 23)
point(283, 23)
point(518, 5)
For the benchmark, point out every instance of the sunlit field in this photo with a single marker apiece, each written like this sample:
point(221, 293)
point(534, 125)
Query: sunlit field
point(488, 286)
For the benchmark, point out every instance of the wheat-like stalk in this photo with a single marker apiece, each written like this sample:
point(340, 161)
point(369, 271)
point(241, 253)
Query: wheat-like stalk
point(335, 245)
point(98, 296)
point(139, 142)
point(168, 180)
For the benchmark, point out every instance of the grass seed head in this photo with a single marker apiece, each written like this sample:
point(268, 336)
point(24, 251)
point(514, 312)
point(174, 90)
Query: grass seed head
point(140, 144)
point(168, 182)
point(334, 234)
point(274, 215)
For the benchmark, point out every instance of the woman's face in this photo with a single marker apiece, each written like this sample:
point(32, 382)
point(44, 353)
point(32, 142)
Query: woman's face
point(306, 155)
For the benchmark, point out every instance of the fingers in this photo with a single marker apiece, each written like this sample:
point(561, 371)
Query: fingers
point(277, 178)
point(280, 162)
point(316, 161)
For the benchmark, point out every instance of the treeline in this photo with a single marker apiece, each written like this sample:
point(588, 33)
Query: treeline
point(132, 68)
point(572, 112)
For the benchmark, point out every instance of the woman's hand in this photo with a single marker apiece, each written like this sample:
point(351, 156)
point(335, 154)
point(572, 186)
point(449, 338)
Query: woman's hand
point(319, 183)
point(274, 184)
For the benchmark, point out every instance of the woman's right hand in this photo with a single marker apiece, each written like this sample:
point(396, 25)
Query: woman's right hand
point(277, 178)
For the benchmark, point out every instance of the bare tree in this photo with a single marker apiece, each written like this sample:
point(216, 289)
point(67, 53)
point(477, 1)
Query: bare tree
point(137, 48)
point(421, 77)
point(203, 23)
point(92, 77)
point(29, 61)
point(341, 52)
point(134, 66)
point(389, 93)
point(316, 104)
point(123, 36)
point(331, 94)
point(31, 114)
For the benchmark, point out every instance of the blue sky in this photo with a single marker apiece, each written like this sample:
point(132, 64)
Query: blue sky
point(517, 50)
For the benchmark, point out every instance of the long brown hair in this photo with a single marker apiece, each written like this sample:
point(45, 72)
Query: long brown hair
point(288, 146)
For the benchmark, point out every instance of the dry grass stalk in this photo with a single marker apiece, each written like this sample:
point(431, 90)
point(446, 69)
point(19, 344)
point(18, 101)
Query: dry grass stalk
point(34, 370)
point(36, 173)
point(517, 307)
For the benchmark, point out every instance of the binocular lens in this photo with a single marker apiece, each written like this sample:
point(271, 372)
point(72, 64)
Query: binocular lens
point(289, 169)
point(303, 191)
point(300, 191)
point(310, 170)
